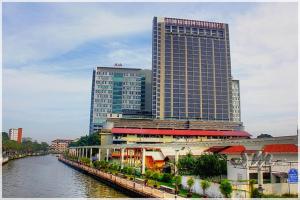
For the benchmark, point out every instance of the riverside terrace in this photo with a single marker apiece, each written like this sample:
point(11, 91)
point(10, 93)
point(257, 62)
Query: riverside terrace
point(140, 149)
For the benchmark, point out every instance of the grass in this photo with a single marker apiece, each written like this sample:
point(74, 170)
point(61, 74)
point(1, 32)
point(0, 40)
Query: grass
point(184, 193)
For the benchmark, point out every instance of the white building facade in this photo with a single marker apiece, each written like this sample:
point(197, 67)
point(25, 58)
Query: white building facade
point(236, 104)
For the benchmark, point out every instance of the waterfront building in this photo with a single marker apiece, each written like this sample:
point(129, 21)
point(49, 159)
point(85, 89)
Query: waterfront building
point(15, 134)
point(118, 90)
point(236, 105)
point(60, 145)
point(132, 130)
point(191, 70)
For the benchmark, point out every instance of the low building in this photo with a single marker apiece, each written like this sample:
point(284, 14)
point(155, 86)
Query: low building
point(135, 135)
point(59, 145)
point(274, 169)
point(15, 134)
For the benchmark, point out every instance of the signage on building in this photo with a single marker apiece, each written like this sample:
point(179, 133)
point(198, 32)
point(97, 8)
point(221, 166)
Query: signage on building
point(293, 176)
point(200, 24)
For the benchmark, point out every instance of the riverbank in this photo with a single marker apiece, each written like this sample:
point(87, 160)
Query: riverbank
point(131, 187)
point(5, 160)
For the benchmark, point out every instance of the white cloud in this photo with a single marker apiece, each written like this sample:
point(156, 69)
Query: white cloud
point(55, 37)
point(264, 57)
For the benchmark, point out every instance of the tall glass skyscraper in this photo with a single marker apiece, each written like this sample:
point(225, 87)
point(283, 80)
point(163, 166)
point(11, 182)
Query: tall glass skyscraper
point(117, 90)
point(191, 70)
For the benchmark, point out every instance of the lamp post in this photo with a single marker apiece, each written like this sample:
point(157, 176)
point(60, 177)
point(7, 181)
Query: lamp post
point(176, 170)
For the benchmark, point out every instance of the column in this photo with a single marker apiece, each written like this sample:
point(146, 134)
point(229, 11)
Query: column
point(107, 154)
point(143, 160)
point(86, 154)
point(176, 161)
point(122, 158)
point(82, 152)
point(91, 154)
point(99, 154)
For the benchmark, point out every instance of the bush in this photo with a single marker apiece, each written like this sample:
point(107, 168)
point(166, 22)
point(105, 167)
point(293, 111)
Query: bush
point(130, 171)
point(124, 170)
point(85, 160)
point(166, 177)
point(155, 176)
point(226, 188)
point(256, 193)
point(148, 174)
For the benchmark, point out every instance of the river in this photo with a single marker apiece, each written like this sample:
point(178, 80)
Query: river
point(45, 176)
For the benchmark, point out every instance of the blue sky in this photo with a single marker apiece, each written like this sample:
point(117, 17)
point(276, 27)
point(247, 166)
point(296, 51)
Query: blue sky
point(50, 49)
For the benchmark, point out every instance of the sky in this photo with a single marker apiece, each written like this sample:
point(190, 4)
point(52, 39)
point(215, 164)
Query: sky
point(50, 50)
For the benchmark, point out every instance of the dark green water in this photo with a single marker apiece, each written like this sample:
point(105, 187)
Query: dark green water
point(45, 176)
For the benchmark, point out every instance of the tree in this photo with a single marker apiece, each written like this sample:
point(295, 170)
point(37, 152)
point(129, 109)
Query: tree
point(4, 137)
point(204, 185)
point(226, 188)
point(88, 140)
point(209, 165)
point(178, 180)
point(186, 164)
point(190, 183)
point(264, 136)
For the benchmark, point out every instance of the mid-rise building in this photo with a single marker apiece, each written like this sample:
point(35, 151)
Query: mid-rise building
point(15, 134)
point(236, 102)
point(59, 145)
point(191, 70)
point(118, 90)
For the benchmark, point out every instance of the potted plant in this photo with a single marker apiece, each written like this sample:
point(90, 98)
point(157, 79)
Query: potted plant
point(190, 183)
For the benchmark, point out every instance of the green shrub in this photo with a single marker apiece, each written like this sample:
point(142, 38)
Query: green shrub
point(226, 188)
point(124, 170)
point(155, 176)
point(148, 174)
point(130, 171)
point(166, 177)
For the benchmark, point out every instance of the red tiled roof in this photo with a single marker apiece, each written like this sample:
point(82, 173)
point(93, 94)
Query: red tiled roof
point(234, 150)
point(280, 148)
point(215, 149)
point(270, 148)
point(179, 132)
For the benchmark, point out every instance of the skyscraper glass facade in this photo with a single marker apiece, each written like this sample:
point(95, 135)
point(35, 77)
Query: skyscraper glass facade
point(114, 90)
point(191, 70)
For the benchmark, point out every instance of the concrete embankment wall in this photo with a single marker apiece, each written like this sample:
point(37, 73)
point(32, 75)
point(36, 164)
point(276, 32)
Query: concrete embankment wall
point(128, 187)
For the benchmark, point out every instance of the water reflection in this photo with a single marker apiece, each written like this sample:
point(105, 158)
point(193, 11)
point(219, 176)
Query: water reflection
point(45, 176)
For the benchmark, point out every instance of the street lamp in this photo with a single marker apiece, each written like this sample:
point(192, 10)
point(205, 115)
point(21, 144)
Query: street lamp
point(176, 170)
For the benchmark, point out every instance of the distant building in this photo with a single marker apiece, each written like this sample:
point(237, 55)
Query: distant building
point(118, 90)
point(26, 139)
point(236, 101)
point(59, 145)
point(15, 134)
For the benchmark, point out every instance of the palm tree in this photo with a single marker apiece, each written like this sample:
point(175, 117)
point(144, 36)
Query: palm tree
point(204, 185)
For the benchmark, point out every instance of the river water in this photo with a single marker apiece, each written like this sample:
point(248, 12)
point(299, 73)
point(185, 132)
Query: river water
point(45, 176)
